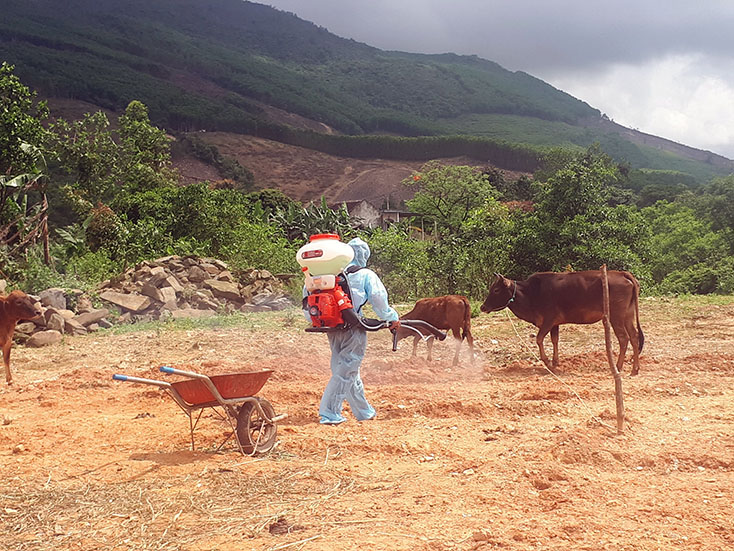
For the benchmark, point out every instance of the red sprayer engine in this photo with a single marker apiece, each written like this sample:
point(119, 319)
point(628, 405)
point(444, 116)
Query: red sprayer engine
point(323, 260)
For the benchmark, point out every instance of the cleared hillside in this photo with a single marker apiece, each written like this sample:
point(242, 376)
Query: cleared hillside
point(307, 175)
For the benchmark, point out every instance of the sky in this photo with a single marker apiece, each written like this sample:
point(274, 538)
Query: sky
point(665, 67)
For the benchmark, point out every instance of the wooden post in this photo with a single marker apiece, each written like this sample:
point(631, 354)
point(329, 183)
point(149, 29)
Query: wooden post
point(618, 396)
point(44, 221)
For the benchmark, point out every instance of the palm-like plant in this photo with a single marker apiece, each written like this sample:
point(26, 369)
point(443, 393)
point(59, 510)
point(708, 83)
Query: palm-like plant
point(21, 225)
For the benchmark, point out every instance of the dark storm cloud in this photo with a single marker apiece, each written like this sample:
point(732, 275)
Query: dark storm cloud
point(545, 36)
point(662, 66)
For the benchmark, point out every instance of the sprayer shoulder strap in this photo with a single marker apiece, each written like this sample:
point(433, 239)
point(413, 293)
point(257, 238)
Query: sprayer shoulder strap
point(351, 270)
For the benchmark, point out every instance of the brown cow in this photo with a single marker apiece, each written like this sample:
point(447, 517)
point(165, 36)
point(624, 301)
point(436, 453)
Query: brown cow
point(14, 307)
point(447, 312)
point(549, 299)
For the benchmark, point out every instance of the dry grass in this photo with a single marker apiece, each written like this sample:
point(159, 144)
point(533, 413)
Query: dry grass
point(164, 514)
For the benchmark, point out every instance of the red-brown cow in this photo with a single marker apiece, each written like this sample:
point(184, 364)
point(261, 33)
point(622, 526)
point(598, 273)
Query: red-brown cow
point(549, 299)
point(14, 307)
point(448, 312)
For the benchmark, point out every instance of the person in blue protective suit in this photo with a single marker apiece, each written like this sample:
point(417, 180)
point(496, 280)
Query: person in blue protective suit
point(348, 346)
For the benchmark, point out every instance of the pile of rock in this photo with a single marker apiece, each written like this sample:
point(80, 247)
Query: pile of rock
point(174, 286)
point(192, 287)
point(64, 313)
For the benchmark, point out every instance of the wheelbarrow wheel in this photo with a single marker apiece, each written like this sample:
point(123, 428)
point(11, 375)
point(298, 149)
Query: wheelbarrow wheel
point(255, 433)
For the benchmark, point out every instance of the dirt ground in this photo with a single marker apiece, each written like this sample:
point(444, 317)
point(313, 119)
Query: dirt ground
point(495, 455)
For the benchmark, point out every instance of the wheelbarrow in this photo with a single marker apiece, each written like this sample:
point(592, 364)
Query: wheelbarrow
point(232, 397)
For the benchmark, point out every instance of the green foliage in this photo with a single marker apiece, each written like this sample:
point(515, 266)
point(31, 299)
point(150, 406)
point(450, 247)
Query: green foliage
point(28, 271)
point(449, 194)
point(262, 246)
point(686, 252)
point(92, 267)
point(403, 263)
point(665, 183)
point(22, 163)
point(87, 153)
point(300, 222)
point(720, 206)
point(145, 153)
point(228, 168)
point(581, 187)
point(271, 200)
point(473, 241)
point(576, 223)
point(199, 220)
point(698, 279)
point(20, 124)
point(96, 163)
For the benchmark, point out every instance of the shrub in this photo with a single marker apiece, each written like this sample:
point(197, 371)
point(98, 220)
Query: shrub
point(699, 279)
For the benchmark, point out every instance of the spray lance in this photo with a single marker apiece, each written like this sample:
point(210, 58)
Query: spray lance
point(324, 260)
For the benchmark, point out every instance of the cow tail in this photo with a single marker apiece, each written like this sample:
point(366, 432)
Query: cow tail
point(467, 317)
point(636, 299)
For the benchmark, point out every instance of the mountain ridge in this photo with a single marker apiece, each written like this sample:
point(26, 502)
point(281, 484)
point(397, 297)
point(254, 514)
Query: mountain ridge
point(227, 65)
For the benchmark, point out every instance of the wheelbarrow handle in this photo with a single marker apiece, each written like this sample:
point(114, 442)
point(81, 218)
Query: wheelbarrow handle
point(130, 379)
point(190, 374)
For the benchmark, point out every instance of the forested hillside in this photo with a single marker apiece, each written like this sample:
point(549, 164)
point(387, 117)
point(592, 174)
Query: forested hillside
point(219, 65)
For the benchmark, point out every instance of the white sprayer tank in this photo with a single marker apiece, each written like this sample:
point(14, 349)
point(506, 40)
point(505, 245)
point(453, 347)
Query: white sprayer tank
point(325, 254)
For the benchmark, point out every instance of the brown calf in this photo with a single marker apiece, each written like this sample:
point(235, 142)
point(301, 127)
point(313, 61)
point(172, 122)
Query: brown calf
point(550, 299)
point(14, 307)
point(448, 312)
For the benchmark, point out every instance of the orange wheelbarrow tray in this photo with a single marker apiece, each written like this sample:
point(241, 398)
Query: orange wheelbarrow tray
point(252, 419)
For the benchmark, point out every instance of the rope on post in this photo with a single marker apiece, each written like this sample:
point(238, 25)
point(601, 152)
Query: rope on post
point(618, 396)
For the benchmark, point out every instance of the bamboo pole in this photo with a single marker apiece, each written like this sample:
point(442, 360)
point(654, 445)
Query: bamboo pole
point(46, 252)
point(618, 396)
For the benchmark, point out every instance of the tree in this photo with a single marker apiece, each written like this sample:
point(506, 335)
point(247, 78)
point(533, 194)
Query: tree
point(88, 154)
point(22, 166)
point(581, 187)
point(449, 194)
point(721, 207)
point(576, 223)
point(680, 240)
point(100, 163)
point(20, 124)
point(145, 152)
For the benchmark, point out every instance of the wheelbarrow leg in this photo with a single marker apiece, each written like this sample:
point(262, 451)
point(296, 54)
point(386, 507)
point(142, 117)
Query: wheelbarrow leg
point(192, 425)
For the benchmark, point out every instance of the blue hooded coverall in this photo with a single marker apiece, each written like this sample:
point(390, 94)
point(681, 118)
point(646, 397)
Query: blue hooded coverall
point(348, 347)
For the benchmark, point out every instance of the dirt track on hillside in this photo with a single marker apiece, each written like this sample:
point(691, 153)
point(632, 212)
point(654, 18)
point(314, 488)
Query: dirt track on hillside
point(498, 454)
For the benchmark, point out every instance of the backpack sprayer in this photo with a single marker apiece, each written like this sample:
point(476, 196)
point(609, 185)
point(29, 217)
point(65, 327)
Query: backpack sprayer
point(324, 261)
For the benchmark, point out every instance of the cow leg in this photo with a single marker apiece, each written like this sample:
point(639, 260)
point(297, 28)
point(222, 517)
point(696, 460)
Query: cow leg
point(415, 346)
point(429, 344)
point(634, 338)
point(457, 338)
point(623, 338)
point(470, 341)
point(542, 332)
point(6, 361)
point(554, 340)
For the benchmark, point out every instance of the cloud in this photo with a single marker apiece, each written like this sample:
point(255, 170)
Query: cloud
point(686, 98)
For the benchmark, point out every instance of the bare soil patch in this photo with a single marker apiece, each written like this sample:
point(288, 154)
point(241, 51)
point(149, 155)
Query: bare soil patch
point(498, 454)
point(306, 175)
